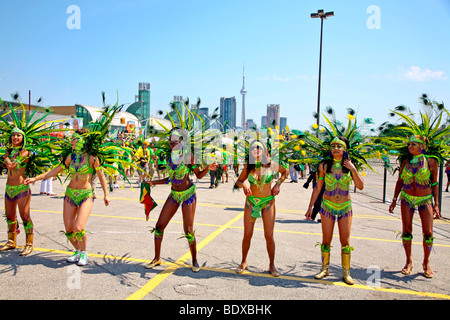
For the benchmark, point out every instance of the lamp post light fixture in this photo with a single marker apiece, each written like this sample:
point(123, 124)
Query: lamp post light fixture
point(322, 15)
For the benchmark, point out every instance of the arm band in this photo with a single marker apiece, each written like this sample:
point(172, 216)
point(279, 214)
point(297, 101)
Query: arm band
point(434, 184)
point(321, 178)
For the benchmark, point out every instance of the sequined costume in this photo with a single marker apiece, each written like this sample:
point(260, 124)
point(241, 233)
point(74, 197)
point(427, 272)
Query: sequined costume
point(177, 173)
point(336, 183)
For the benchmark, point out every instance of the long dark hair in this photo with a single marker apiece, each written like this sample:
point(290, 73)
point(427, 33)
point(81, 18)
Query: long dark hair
point(251, 161)
point(329, 162)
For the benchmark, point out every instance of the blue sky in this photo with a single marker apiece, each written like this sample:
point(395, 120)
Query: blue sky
point(197, 49)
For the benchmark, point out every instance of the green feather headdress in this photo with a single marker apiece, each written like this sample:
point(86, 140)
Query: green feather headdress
point(431, 129)
point(36, 136)
point(359, 150)
point(96, 143)
point(192, 127)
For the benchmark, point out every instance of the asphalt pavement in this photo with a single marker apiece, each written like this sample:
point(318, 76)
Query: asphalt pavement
point(120, 244)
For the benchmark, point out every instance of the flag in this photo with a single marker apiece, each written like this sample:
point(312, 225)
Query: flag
point(146, 199)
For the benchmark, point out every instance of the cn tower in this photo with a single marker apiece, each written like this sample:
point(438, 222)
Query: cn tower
point(243, 93)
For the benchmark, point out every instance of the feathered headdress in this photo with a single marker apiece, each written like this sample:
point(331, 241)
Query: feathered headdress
point(96, 143)
point(192, 127)
point(430, 130)
point(359, 149)
point(36, 135)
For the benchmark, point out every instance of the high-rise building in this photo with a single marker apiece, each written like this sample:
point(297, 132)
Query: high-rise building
point(243, 93)
point(228, 113)
point(144, 96)
point(179, 104)
point(141, 107)
point(283, 123)
point(263, 121)
point(273, 115)
point(250, 124)
point(204, 114)
point(203, 111)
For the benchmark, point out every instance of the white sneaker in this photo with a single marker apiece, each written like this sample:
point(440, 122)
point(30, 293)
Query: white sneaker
point(83, 259)
point(75, 257)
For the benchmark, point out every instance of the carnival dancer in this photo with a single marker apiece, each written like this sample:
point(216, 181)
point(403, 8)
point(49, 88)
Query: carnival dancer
point(343, 153)
point(183, 192)
point(336, 174)
point(260, 171)
point(17, 194)
point(25, 155)
point(417, 184)
point(86, 154)
point(79, 198)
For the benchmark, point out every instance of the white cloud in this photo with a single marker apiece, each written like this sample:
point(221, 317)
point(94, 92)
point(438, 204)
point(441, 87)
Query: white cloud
point(415, 73)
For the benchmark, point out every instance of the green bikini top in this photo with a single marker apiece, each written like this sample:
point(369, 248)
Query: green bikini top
point(266, 178)
point(177, 172)
point(79, 170)
point(422, 176)
point(332, 182)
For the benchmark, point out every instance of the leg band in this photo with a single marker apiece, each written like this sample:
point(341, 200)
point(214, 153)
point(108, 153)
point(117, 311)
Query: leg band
point(79, 235)
point(9, 222)
point(323, 247)
point(406, 236)
point(347, 249)
point(428, 240)
point(190, 237)
point(158, 233)
point(28, 225)
point(69, 234)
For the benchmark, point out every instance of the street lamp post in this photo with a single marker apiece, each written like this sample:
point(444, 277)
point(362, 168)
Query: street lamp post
point(322, 15)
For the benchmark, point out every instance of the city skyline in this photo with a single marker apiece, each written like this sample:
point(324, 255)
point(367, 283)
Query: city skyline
point(373, 58)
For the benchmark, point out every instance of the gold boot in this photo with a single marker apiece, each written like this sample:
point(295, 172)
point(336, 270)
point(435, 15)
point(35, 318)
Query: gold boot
point(325, 253)
point(11, 244)
point(345, 256)
point(29, 245)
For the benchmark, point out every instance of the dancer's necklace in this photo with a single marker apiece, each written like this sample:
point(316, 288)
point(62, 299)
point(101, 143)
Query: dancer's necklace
point(416, 159)
point(337, 164)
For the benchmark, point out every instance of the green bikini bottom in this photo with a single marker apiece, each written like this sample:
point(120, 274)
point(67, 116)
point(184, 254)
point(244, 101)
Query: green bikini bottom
point(258, 204)
point(415, 201)
point(12, 193)
point(336, 211)
point(185, 197)
point(77, 197)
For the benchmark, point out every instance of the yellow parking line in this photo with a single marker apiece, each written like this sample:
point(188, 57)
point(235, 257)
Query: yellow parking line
point(334, 283)
point(152, 284)
point(180, 263)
